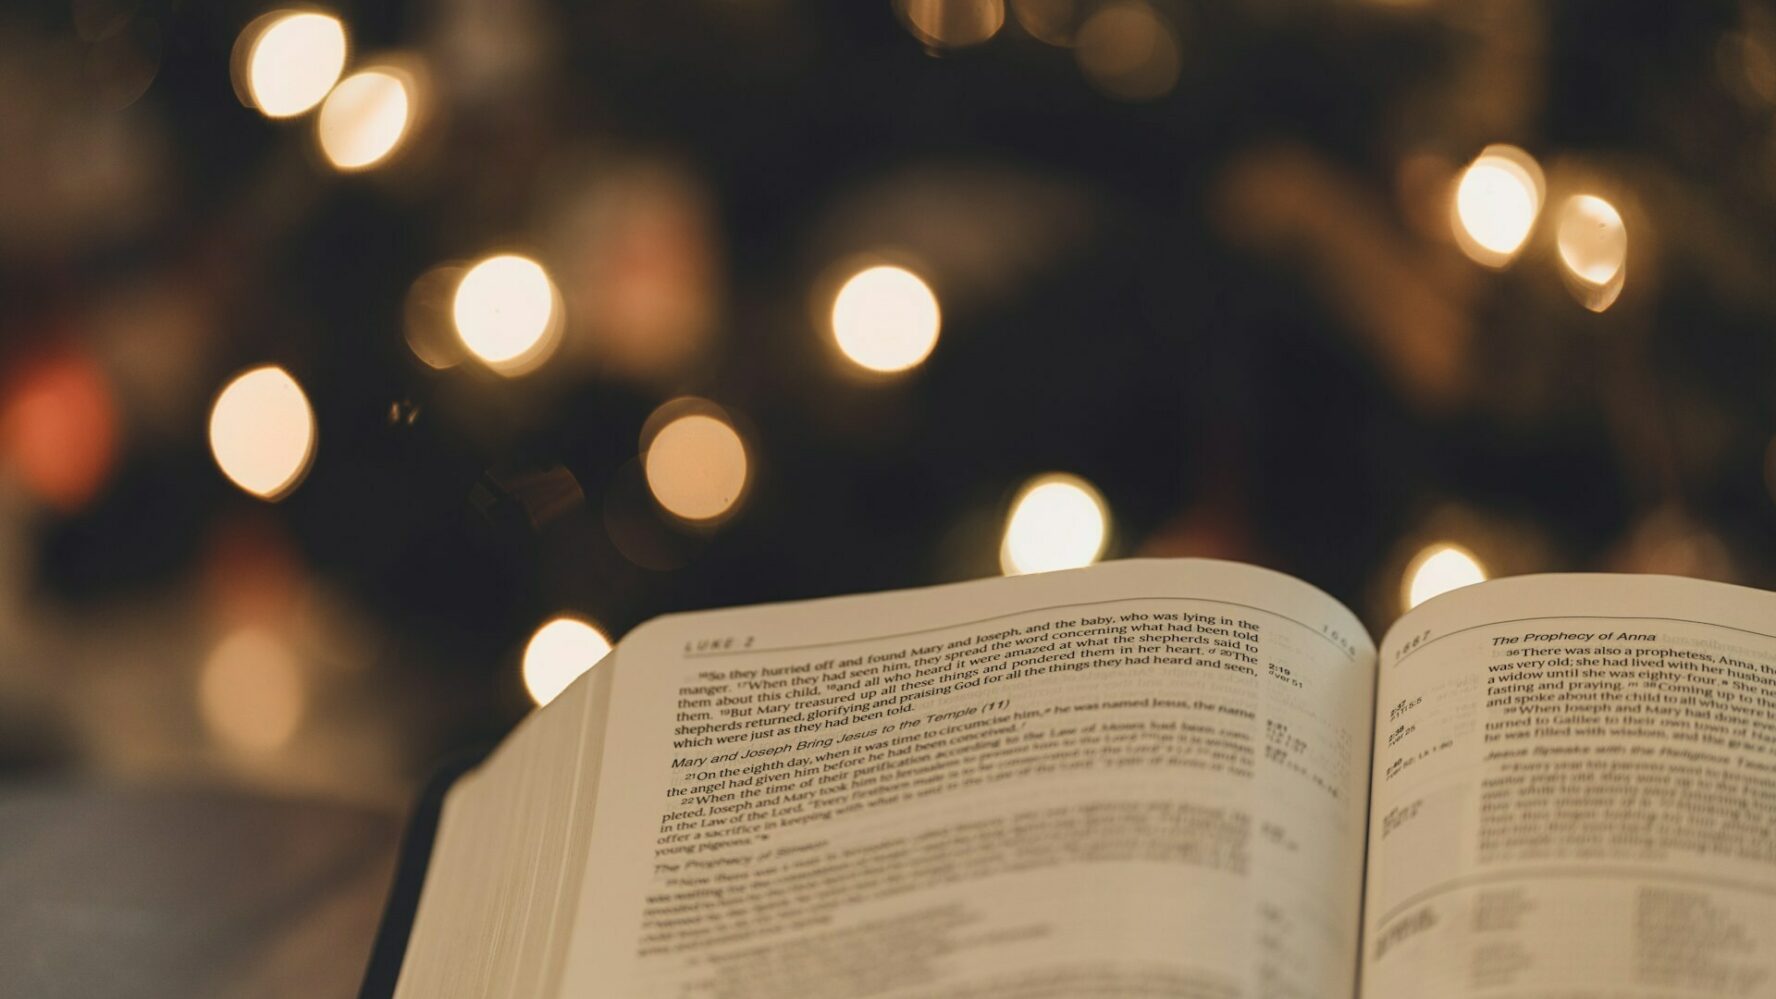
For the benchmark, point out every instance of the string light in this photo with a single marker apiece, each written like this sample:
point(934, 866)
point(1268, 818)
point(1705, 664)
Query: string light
point(365, 118)
point(1496, 204)
point(1058, 521)
point(1593, 246)
point(1439, 568)
point(262, 432)
point(292, 60)
point(508, 313)
point(695, 462)
point(886, 319)
point(560, 651)
point(251, 693)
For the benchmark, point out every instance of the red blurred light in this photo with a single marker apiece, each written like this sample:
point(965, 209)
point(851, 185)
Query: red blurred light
point(58, 427)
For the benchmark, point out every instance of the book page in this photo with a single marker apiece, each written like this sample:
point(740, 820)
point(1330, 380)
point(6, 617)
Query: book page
point(506, 864)
point(1575, 778)
point(1139, 779)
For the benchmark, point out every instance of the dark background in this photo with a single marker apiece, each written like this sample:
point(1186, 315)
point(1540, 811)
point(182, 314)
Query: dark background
point(1235, 307)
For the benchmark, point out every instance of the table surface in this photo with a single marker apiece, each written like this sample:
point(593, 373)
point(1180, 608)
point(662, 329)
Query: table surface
point(114, 892)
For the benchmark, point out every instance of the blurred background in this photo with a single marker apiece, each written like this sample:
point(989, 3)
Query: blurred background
point(364, 368)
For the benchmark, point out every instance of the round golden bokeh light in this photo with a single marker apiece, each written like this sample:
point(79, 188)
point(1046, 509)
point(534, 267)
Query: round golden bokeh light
point(366, 118)
point(885, 319)
point(1057, 521)
point(288, 60)
point(262, 432)
point(508, 313)
point(695, 461)
point(561, 650)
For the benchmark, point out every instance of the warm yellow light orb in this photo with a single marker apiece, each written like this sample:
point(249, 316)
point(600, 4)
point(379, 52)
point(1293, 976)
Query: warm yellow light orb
point(1057, 522)
point(561, 650)
point(365, 118)
point(696, 466)
point(426, 317)
point(954, 23)
point(1129, 51)
point(886, 319)
point(251, 692)
point(508, 313)
point(1496, 204)
point(293, 61)
point(1050, 21)
point(1439, 568)
point(262, 432)
point(1593, 245)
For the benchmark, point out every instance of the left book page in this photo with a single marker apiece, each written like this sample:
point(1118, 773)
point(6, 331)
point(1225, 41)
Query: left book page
point(1142, 778)
point(503, 877)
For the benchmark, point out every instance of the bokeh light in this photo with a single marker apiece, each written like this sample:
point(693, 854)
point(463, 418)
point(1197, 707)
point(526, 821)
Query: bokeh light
point(365, 117)
point(1058, 521)
point(292, 59)
point(251, 692)
point(1497, 200)
point(427, 322)
point(695, 461)
point(249, 569)
point(122, 60)
point(1593, 244)
point(262, 432)
point(1669, 541)
point(953, 23)
point(886, 319)
point(1129, 51)
point(561, 650)
point(1746, 64)
point(508, 313)
point(1439, 568)
point(636, 246)
point(1054, 22)
point(58, 427)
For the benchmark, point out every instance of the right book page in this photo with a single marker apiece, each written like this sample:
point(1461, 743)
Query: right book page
point(1574, 793)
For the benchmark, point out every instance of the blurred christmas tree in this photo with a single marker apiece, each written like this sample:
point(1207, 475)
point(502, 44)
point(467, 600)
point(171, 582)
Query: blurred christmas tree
point(344, 348)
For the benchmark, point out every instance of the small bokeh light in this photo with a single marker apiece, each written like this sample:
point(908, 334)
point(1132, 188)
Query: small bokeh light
point(366, 117)
point(695, 461)
point(1497, 200)
point(427, 322)
point(953, 23)
point(1439, 568)
point(262, 432)
point(508, 313)
point(1053, 22)
point(251, 691)
point(885, 319)
point(59, 428)
point(1593, 244)
point(1058, 521)
point(1129, 51)
point(561, 650)
point(636, 244)
point(290, 59)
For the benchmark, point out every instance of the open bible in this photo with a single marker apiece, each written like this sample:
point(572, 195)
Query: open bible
point(1169, 778)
